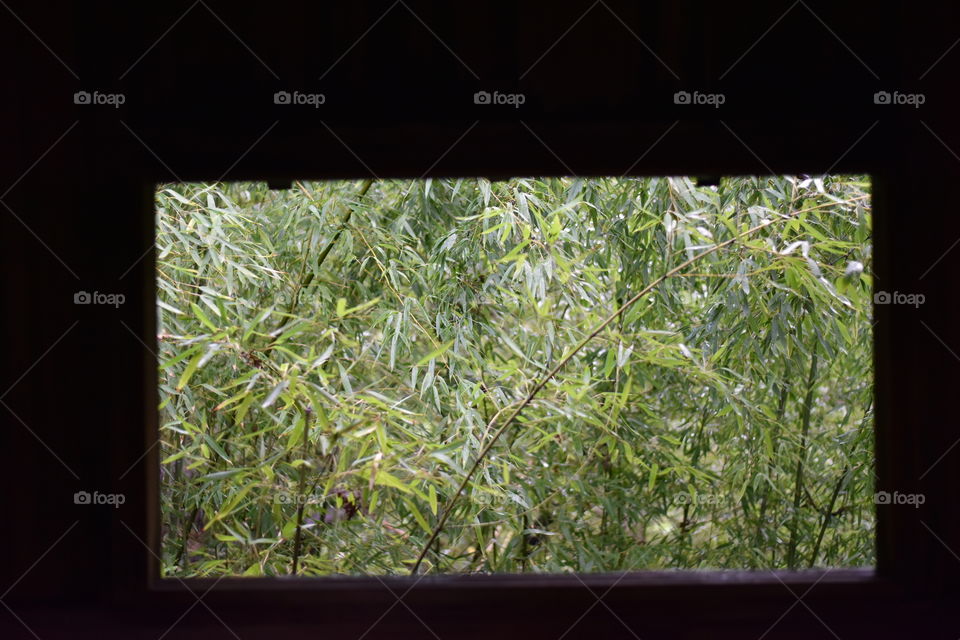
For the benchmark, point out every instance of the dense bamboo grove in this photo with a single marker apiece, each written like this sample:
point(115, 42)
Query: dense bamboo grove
point(337, 359)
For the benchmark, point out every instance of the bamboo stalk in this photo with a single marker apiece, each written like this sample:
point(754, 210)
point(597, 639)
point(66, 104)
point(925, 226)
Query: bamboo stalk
point(301, 501)
point(798, 482)
point(827, 515)
point(448, 509)
point(306, 279)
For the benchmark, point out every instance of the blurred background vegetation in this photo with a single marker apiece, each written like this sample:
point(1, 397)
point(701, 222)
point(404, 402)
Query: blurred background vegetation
point(337, 357)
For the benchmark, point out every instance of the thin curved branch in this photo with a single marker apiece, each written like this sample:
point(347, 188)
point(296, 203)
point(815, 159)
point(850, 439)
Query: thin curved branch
point(448, 509)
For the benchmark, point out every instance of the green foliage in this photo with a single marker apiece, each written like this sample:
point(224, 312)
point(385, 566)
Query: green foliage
point(335, 357)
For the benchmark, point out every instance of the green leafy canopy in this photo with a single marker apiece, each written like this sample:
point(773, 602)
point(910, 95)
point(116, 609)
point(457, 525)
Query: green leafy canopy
point(619, 373)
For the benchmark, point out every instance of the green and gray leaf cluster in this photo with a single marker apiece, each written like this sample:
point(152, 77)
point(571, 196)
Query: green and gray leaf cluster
point(334, 358)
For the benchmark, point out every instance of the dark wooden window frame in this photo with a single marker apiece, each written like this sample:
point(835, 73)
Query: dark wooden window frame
point(720, 594)
point(849, 582)
point(641, 600)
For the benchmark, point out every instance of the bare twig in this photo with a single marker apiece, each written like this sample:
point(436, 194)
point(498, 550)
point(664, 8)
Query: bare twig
point(448, 509)
point(802, 456)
